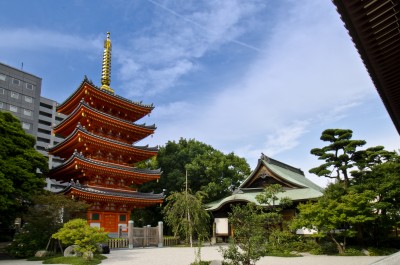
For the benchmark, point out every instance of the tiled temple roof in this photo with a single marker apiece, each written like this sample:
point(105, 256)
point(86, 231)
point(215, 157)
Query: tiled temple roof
point(105, 164)
point(82, 129)
point(90, 83)
point(83, 103)
point(113, 192)
point(302, 189)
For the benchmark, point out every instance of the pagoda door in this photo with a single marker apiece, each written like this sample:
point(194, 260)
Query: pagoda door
point(110, 222)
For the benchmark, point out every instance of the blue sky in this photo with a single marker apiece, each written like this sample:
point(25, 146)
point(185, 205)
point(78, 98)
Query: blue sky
point(243, 76)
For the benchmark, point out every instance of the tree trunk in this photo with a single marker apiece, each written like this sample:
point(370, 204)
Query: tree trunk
point(339, 247)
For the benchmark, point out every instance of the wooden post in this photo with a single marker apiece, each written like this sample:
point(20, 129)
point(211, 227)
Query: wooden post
point(119, 231)
point(214, 236)
point(144, 236)
point(130, 233)
point(160, 234)
point(148, 235)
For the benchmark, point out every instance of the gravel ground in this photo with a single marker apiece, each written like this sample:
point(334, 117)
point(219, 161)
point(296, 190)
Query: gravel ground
point(184, 256)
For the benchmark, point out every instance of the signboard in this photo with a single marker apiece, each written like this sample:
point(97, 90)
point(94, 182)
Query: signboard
point(221, 226)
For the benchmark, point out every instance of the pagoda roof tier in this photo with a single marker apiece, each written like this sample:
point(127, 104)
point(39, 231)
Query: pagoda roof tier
point(130, 110)
point(80, 167)
point(95, 194)
point(94, 119)
point(101, 148)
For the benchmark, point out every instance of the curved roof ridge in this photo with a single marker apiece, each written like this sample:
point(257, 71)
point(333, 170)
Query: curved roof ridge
point(281, 164)
point(113, 192)
point(289, 173)
point(83, 129)
point(143, 125)
point(90, 83)
point(83, 103)
point(107, 164)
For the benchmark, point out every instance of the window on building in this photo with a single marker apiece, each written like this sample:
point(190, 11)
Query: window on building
point(29, 86)
point(16, 82)
point(28, 99)
point(26, 126)
point(44, 105)
point(13, 108)
point(27, 112)
point(95, 216)
point(14, 95)
point(59, 119)
point(44, 131)
point(2, 77)
point(1, 105)
point(43, 140)
point(122, 217)
point(45, 114)
point(38, 147)
point(2, 91)
point(44, 122)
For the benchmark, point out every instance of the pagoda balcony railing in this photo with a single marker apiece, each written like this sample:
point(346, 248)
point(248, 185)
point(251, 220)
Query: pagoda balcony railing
point(112, 136)
point(109, 160)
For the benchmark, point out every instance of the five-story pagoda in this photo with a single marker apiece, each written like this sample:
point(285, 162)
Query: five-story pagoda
point(100, 156)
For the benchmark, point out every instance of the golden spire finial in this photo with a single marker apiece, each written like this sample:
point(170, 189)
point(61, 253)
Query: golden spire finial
point(106, 71)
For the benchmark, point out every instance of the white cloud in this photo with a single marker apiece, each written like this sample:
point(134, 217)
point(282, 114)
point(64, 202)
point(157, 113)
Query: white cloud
point(309, 73)
point(285, 138)
point(171, 110)
point(180, 36)
point(39, 39)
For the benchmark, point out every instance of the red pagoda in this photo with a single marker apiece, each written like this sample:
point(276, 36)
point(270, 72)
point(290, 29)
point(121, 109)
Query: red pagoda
point(100, 156)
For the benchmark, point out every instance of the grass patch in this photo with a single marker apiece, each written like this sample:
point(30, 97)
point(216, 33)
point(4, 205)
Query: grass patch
point(282, 254)
point(97, 258)
point(202, 262)
point(372, 251)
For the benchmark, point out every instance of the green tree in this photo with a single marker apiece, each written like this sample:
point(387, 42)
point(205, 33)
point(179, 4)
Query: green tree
point(367, 204)
point(43, 218)
point(185, 213)
point(382, 176)
point(339, 155)
point(337, 214)
point(248, 243)
point(21, 169)
point(272, 205)
point(79, 232)
point(209, 170)
point(253, 223)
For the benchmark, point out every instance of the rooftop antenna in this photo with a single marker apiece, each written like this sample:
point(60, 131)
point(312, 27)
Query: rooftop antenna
point(22, 66)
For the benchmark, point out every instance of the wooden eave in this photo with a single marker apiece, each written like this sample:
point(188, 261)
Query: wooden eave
point(374, 27)
point(80, 140)
point(77, 166)
point(134, 110)
point(96, 195)
point(85, 115)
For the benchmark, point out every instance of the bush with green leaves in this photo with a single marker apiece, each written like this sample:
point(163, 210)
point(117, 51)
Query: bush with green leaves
point(284, 242)
point(79, 232)
point(24, 243)
point(351, 251)
point(44, 217)
point(373, 251)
